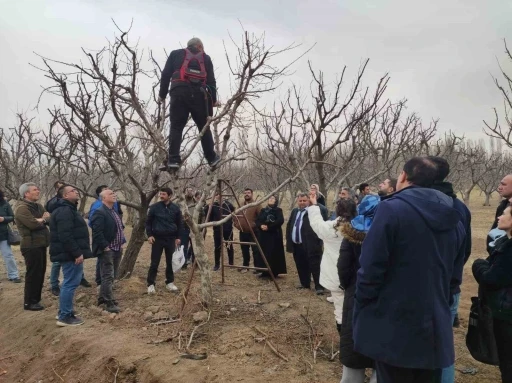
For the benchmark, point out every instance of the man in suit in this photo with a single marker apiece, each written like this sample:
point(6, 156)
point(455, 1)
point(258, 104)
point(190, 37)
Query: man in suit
point(305, 245)
point(107, 242)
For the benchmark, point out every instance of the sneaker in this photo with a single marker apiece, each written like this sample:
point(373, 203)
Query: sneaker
point(15, 280)
point(112, 308)
point(171, 287)
point(256, 272)
point(56, 291)
point(151, 289)
point(169, 166)
point(70, 321)
point(85, 283)
point(243, 271)
point(320, 291)
point(215, 162)
point(216, 268)
point(74, 314)
point(330, 299)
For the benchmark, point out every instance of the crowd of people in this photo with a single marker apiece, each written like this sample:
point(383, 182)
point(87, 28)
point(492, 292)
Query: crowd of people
point(391, 261)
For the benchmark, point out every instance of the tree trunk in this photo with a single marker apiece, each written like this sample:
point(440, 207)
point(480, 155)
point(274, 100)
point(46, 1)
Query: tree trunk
point(487, 201)
point(204, 265)
point(83, 202)
point(322, 180)
point(134, 245)
point(466, 194)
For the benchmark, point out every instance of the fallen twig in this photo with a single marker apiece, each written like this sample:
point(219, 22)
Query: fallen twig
point(271, 345)
point(55, 372)
point(166, 322)
point(194, 331)
point(259, 297)
point(8, 357)
point(163, 340)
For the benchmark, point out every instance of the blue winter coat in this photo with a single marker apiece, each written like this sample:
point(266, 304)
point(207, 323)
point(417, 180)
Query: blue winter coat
point(411, 264)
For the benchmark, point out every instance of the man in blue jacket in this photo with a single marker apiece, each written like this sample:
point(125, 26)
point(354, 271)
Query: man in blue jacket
point(411, 265)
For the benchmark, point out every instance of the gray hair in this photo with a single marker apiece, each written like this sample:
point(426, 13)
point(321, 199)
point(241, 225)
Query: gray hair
point(301, 195)
point(102, 194)
point(195, 42)
point(350, 192)
point(25, 188)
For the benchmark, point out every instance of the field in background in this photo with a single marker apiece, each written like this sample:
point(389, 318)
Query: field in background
point(130, 348)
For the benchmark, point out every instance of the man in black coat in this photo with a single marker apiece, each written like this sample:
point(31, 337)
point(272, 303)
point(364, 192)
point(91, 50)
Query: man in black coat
point(305, 245)
point(219, 212)
point(69, 245)
point(411, 265)
point(505, 191)
point(193, 91)
point(164, 229)
point(107, 243)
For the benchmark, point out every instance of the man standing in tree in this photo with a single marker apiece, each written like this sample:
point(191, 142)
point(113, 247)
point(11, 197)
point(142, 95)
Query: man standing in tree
point(193, 92)
point(163, 227)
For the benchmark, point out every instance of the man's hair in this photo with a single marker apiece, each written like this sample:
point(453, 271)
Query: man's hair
point(248, 189)
point(420, 171)
point(61, 191)
point(100, 188)
point(59, 182)
point(302, 195)
point(350, 192)
point(167, 190)
point(346, 209)
point(392, 183)
point(363, 186)
point(197, 194)
point(443, 168)
point(194, 42)
point(24, 188)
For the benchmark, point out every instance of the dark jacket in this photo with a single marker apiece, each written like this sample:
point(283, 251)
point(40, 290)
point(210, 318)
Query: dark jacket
point(51, 205)
point(8, 216)
point(164, 220)
point(306, 231)
point(218, 213)
point(69, 235)
point(411, 264)
point(33, 234)
point(348, 264)
point(495, 276)
point(271, 240)
point(447, 188)
point(499, 211)
point(173, 64)
point(104, 230)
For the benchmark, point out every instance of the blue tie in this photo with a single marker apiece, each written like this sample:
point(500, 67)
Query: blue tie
point(297, 226)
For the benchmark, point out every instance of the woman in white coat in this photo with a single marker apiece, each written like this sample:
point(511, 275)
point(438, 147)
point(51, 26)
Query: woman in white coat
point(328, 232)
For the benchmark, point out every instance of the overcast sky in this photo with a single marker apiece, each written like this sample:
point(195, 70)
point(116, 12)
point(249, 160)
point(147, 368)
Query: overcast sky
point(440, 53)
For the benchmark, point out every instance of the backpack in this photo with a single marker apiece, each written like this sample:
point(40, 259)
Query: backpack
point(192, 76)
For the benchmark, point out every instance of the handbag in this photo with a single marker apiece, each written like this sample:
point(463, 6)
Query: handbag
point(480, 339)
point(14, 237)
point(178, 259)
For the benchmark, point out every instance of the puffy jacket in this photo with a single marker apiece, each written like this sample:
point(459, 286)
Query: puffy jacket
point(8, 216)
point(164, 220)
point(51, 205)
point(69, 235)
point(495, 276)
point(331, 237)
point(33, 234)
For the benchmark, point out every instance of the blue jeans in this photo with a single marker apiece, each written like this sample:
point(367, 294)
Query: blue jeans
point(448, 375)
point(72, 276)
point(54, 275)
point(10, 262)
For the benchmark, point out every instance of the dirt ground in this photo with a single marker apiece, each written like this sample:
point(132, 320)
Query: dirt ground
point(133, 347)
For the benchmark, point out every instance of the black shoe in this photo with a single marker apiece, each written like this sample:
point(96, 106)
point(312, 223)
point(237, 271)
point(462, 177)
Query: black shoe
point(216, 268)
point(185, 266)
point(301, 287)
point(215, 162)
point(338, 326)
point(112, 308)
point(320, 291)
point(15, 280)
point(34, 307)
point(101, 301)
point(169, 166)
point(456, 322)
point(85, 283)
point(56, 291)
point(70, 321)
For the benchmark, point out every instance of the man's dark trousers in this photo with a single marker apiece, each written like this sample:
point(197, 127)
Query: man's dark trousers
point(109, 265)
point(246, 253)
point(302, 263)
point(166, 244)
point(184, 102)
point(392, 374)
point(228, 236)
point(35, 262)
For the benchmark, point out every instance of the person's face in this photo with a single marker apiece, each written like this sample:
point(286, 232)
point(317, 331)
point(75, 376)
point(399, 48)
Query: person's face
point(248, 195)
point(32, 194)
point(344, 194)
point(217, 197)
point(505, 188)
point(366, 190)
point(385, 187)
point(164, 196)
point(272, 200)
point(313, 190)
point(303, 202)
point(71, 194)
point(109, 196)
point(505, 220)
point(189, 193)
